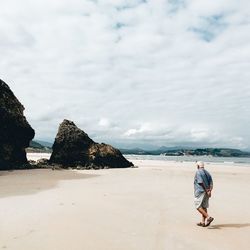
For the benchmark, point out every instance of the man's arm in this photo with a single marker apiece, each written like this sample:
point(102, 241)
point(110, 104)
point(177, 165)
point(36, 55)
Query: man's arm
point(207, 191)
point(200, 180)
point(211, 183)
point(201, 183)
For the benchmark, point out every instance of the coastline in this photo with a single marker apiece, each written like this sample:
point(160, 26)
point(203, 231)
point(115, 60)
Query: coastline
point(240, 161)
point(218, 161)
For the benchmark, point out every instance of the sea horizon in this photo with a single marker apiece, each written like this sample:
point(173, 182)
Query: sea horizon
point(242, 161)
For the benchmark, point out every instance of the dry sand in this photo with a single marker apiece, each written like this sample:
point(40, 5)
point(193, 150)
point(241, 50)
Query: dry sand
point(145, 208)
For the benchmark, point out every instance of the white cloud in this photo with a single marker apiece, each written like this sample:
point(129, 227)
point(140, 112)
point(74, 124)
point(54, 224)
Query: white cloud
point(131, 131)
point(156, 71)
point(143, 129)
point(104, 122)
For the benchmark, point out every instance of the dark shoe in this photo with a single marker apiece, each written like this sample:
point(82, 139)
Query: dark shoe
point(201, 224)
point(209, 220)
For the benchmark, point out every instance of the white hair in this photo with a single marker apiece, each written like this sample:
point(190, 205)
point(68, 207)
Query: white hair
point(200, 164)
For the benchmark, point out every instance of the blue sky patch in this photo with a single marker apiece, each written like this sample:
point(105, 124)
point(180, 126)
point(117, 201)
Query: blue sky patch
point(210, 27)
point(119, 25)
point(131, 5)
point(176, 5)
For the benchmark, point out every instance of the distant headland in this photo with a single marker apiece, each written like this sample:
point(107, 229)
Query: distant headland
point(46, 147)
point(216, 152)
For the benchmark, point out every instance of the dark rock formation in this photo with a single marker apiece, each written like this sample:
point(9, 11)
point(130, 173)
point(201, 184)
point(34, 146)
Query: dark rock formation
point(41, 163)
point(106, 155)
point(15, 131)
point(73, 147)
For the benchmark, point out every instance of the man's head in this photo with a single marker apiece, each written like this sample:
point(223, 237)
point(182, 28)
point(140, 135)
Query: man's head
point(200, 164)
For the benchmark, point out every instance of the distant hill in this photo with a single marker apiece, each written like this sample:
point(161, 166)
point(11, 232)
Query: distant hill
point(35, 146)
point(45, 143)
point(177, 151)
point(136, 151)
point(161, 150)
point(219, 152)
point(41, 146)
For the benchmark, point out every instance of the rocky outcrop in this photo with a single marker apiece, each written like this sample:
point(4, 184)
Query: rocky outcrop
point(73, 147)
point(106, 155)
point(15, 131)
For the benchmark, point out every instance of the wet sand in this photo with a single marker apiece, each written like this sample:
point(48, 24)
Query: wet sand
point(150, 207)
point(23, 182)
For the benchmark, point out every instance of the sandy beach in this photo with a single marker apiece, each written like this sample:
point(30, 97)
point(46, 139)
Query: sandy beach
point(149, 207)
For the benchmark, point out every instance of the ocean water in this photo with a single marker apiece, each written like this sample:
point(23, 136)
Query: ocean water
point(244, 161)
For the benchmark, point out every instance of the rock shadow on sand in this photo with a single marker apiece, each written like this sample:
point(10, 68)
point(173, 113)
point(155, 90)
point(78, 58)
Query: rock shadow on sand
point(27, 182)
point(230, 225)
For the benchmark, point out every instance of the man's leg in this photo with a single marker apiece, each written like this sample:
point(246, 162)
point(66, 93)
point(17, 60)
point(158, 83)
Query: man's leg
point(203, 217)
point(203, 212)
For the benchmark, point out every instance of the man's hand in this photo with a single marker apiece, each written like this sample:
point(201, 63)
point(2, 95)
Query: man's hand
point(208, 191)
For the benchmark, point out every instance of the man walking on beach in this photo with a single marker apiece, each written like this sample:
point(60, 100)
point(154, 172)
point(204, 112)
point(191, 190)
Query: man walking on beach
point(203, 185)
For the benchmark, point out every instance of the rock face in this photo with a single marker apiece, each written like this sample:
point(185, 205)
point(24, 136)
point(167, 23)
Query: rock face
point(15, 131)
point(73, 147)
point(106, 155)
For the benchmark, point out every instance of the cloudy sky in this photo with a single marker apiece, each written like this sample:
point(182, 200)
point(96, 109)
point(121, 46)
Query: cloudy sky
point(132, 72)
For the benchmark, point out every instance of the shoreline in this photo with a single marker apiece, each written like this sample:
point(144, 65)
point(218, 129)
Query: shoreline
point(134, 158)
